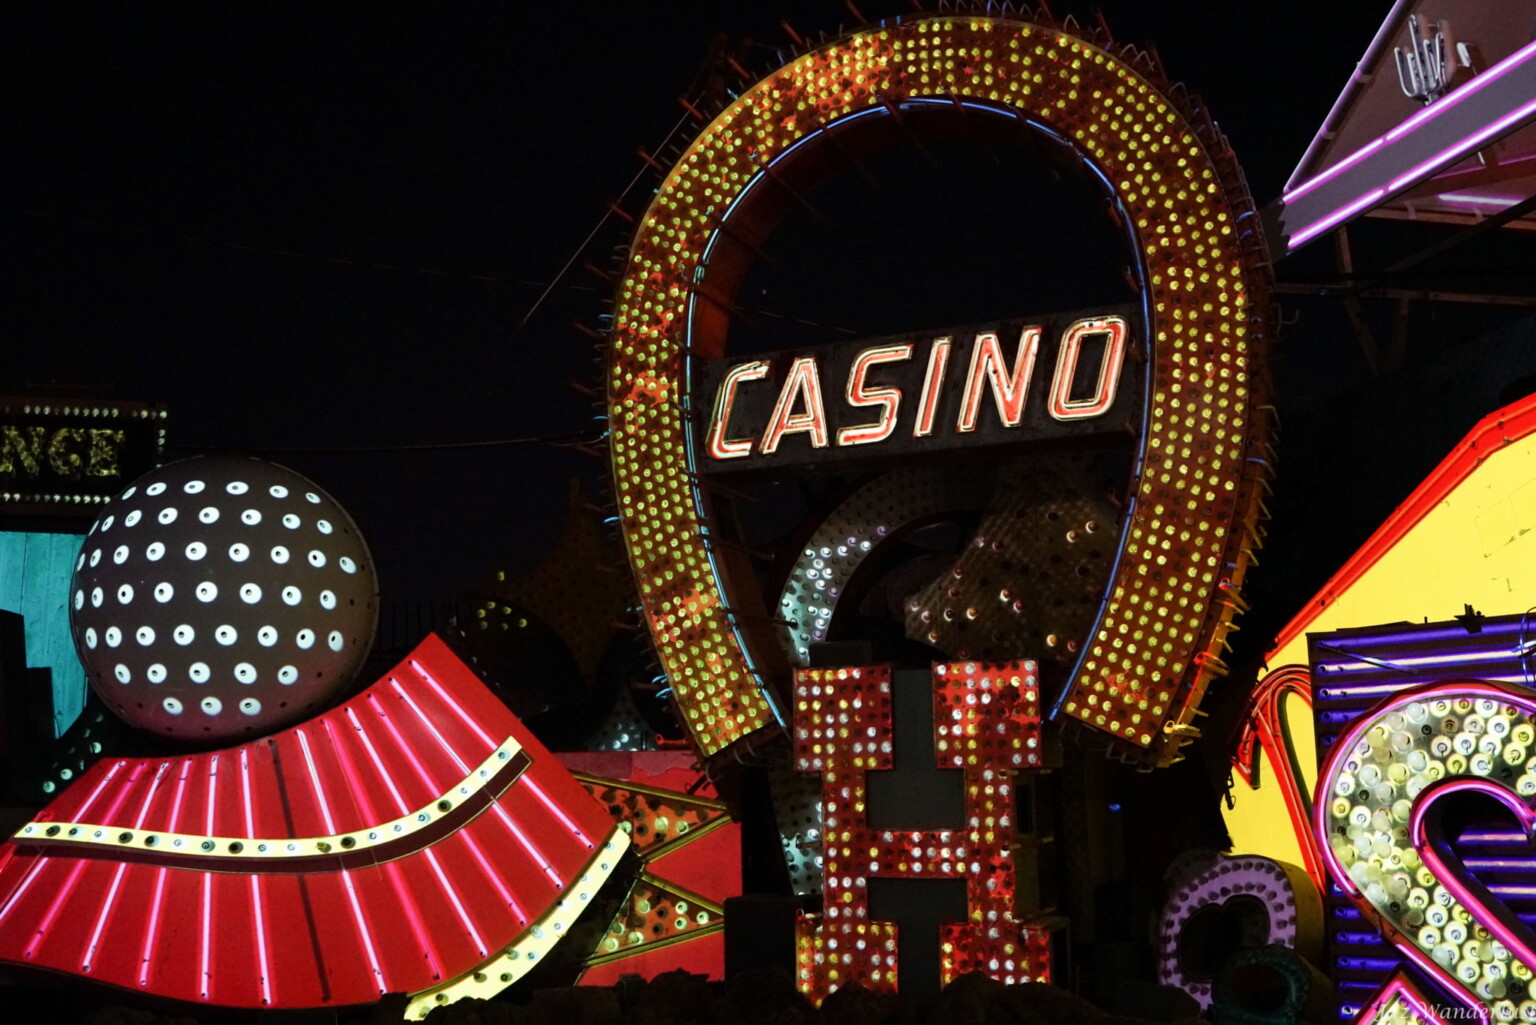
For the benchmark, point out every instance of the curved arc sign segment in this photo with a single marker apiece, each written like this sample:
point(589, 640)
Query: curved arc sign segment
point(1188, 529)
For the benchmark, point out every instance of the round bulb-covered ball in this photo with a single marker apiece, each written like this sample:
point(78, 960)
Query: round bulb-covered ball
point(222, 596)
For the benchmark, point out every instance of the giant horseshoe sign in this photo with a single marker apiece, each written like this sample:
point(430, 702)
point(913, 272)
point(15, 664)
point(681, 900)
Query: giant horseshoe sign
point(1190, 521)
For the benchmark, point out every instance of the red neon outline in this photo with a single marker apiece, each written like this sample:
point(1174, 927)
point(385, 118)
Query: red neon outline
point(804, 378)
point(1263, 731)
point(888, 399)
point(1110, 364)
point(721, 447)
point(933, 382)
point(1010, 392)
point(1492, 433)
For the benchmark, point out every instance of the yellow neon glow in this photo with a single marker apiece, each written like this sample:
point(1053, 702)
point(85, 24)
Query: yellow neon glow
point(1464, 535)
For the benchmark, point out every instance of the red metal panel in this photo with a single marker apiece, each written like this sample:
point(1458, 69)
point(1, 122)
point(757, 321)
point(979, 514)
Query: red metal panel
point(185, 877)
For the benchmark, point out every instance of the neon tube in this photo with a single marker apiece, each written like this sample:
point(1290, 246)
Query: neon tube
point(501, 812)
point(158, 901)
point(346, 877)
point(469, 841)
point(1464, 146)
point(117, 877)
point(257, 904)
point(205, 948)
point(378, 763)
point(392, 871)
point(555, 810)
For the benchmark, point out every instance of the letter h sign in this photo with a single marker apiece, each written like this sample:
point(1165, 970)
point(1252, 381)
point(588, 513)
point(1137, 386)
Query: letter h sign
point(986, 724)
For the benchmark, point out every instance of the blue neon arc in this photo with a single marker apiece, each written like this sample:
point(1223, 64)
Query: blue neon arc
point(761, 175)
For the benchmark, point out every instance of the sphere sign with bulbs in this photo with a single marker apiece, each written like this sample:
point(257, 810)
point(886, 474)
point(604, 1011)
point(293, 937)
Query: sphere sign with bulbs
point(219, 597)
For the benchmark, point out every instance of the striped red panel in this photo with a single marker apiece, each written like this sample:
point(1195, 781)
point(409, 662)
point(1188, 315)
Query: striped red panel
point(409, 840)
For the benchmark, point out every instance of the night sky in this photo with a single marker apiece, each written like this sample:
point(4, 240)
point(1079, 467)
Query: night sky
point(326, 232)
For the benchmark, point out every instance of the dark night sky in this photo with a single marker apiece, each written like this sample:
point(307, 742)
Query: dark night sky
point(393, 186)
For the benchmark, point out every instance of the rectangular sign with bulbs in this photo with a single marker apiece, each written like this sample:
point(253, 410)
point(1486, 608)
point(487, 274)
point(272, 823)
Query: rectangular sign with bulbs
point(1054, 378)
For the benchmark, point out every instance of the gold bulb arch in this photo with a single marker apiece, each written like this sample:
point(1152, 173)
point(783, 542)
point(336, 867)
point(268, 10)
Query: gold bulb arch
point(1192, 522)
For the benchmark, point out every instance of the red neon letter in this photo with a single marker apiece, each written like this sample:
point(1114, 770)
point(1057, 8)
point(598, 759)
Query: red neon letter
point(1063, 406)
point(721, 447)
point(886, 398)
point(805, 380)
point(1009, 391)
point(928, 405)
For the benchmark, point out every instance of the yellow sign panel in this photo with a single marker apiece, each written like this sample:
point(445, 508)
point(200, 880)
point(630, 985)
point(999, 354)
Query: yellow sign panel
point(1464, 535)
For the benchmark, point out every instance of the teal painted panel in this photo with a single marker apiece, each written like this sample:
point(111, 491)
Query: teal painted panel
point(34, 581)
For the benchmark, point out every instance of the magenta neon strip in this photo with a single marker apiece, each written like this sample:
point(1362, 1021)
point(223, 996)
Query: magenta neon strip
point(441, 742)
point(396, 880)
point(467, 719)
point(101, 919)
point(314, 779)
point(1477, 84)
point(1464, 146)
point(154, 926)
point(206, 947)
point(401, 808)
point(261, 938)
point(62, 896)
point(1342, 750)
point(206, 951)
point(1493, 74)
point(554, 809)
point(111, 774)
point(1343, 214)
point(1328, 175)
point(346, 877)
point(453, 898)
